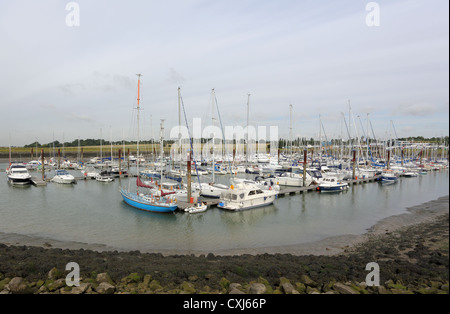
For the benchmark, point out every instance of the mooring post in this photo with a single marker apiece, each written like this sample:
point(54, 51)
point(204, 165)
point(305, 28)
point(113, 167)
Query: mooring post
point(128, 154)
point(42, 164)
point(354, 164)
point(120, 163)
point(305, 152)
point(189, 192)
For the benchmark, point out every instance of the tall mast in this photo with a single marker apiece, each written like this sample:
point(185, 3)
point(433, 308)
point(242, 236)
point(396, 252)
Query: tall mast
point(248, 110)
point(179, 126)
point(137, 143)
point(213, 97)
point(290, 128)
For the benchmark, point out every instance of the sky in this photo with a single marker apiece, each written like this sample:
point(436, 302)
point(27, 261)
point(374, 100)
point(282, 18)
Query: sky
point(68, 68)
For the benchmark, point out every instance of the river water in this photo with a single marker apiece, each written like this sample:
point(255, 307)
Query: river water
point(94, 213)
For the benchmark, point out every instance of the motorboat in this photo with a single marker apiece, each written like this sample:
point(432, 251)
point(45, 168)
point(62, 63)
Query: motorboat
point(103, 178)
point(63, 176)
point(18, 175)
point(388, 176)
point(330, 184)
point(245, 195)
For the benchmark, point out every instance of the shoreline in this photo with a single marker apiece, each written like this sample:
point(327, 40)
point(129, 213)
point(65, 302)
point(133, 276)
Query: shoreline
point(411, 249)
point(330, 246)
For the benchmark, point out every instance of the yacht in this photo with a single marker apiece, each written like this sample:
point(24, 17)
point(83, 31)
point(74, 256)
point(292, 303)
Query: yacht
point(245, 195)
point(18, 175)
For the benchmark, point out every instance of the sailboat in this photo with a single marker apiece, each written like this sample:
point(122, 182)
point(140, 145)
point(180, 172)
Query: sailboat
point(213, 189)
point(147, 201)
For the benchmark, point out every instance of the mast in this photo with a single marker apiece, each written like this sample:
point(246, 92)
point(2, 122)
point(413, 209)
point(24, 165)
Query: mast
point(290, 128)
point(137, 144)
point(248, 110)
point(162, 149)
point(179, 127)
point(213, 138)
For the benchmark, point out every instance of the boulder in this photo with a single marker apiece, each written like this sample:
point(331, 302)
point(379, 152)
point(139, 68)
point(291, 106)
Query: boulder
point(344, 289)
point(308, 281)
point(257, 288)
point(54, 273)
point(286, 286)
point(81, 288)
point(105, 288)
point(104, 277)
point(18, 285)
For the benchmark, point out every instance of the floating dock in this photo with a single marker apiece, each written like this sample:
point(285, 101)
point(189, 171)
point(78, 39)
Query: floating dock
point(38, 181)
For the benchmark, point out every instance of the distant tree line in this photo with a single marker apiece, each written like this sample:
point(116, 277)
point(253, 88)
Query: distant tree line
point(282, 143)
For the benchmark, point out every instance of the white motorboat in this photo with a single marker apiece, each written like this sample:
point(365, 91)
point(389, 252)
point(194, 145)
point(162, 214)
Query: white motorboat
point(330, 184)
point(245, 195)
point(64, 177)
point(411, 174)
point(103, 178)
point(18, 175)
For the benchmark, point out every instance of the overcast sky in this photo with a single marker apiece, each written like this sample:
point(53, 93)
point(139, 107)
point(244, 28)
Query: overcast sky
point(69, 82)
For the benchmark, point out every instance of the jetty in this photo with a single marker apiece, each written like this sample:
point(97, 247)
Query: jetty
point(38, 181)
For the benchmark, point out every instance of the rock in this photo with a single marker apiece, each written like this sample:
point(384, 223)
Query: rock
point(56, 285)
point(257, 288)
point(133, 277)
point(104, 277)
point(81, 288)
point(311, 290)
point(286, 286)
point(235, 291)
point(344, 289)
point(155, 285)
point(18, 285)
point(235, 288)
point(187, 287)
point(54, 273)
point(300, 287)
point(105, 288)
point(308, 281)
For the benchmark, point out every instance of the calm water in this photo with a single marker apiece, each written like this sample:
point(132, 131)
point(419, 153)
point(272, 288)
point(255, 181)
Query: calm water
point(93, 212)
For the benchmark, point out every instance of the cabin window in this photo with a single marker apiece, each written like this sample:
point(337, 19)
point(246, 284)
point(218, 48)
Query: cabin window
point(234, 197)
point(259, 192)
point(253, 192)
point(241, 195)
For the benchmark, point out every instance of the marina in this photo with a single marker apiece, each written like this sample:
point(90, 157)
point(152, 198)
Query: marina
point(93, 213)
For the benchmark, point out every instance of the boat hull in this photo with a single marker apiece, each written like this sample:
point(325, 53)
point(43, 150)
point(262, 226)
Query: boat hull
point(336, 188)
point(19, 181)
point(134, 201)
